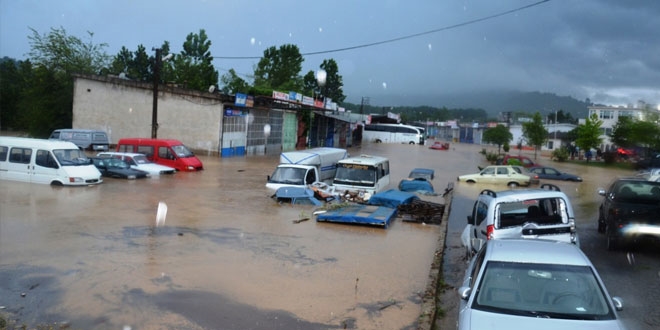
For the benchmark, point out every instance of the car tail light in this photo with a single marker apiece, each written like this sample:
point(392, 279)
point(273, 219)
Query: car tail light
point(489, 231)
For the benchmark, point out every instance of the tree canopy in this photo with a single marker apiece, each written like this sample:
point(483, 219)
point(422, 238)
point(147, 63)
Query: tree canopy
point(499, 135)
point(589, 133)
point(534, 132)
point(279, 69)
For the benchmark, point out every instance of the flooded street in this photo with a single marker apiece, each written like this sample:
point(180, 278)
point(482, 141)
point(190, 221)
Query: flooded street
point(228, 256)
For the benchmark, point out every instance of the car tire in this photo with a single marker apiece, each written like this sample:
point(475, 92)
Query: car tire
point(601, 223)
point(612, 243)
point(513, 184)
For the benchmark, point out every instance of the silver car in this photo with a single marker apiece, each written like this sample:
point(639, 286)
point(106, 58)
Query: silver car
point(538, 213)
point(535, 284)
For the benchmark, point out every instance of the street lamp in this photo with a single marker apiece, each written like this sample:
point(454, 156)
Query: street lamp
point(154, 112)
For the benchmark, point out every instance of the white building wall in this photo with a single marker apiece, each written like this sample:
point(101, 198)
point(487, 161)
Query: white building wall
point(124, 109)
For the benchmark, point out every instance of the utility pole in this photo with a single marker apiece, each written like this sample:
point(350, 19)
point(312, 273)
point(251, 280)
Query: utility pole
point(154, 112)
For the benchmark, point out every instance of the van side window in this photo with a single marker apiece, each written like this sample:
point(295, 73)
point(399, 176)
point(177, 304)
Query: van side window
point(20, 155)
point(126, 148)
point(164, 153)
point(3, 153)
point(55, 135)
point(45, 159)
point(146, 150)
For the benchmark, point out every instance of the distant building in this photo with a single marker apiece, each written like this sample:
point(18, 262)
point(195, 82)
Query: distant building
point(610, 117)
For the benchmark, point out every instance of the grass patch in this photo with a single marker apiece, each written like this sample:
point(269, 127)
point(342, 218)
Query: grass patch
point(600, 164)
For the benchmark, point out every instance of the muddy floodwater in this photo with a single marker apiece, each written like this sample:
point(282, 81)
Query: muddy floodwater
point(227, 256)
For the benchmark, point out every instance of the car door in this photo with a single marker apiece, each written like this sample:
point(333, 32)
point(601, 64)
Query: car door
point(488, 175)
point(478, 225)
point(501, 175)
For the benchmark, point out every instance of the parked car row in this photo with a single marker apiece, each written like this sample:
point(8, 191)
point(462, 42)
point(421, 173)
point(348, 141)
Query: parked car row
point(526, 268)
point(58, 162)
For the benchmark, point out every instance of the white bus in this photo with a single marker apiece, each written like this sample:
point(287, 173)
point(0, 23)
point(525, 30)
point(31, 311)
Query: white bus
point(45, 161)
point(393, 133)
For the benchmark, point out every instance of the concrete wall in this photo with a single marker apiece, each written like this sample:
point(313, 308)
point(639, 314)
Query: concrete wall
point(123, 108)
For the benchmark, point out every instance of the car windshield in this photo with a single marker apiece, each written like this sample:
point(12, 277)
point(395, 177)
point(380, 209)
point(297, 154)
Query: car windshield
point(71, 157)
point(288, 175)
point(542, 290)
point(353, 174)
point(182, 152)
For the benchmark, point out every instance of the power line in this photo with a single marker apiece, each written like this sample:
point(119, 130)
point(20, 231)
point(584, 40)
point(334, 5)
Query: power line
point(450, 27)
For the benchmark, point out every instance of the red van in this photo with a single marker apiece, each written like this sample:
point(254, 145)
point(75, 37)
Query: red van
point(168, 152)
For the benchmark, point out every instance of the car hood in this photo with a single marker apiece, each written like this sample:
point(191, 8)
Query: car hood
point(154, 168)
point(473, 319)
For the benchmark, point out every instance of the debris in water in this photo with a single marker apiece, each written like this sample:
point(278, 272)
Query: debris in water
point(161, 214)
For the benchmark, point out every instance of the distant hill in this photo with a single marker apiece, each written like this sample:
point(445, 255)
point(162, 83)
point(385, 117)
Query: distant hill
point(492, 102)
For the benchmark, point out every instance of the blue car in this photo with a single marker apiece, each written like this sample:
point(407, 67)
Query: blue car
point(549, 173)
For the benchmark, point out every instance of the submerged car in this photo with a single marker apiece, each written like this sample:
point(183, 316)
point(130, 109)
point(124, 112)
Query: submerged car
point(629, 212)
point(497, 174)
point(535, 284)
point(437, 145)
point(117, 168)
point(533, 177)
point(139, 162)
point(549, 173)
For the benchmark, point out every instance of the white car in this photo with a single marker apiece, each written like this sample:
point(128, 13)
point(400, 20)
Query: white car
point(535, 284)
point(140, 162)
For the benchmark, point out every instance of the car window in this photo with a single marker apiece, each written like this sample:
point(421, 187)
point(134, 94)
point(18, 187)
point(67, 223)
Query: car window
point(488, 170)
point(478, 263)
point(502, 171)
point(481, 212)
point(551, 171)
point(561, 291)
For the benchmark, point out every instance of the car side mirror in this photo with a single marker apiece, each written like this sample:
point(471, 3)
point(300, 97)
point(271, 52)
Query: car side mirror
point(464, 292)
point(618, 303)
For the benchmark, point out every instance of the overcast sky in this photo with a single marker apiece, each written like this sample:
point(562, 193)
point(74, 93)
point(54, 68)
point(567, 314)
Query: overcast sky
point(605, 50)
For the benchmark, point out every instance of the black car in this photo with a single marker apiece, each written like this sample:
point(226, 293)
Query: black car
point(651, 161)
point(630, 211)
point(117, 168)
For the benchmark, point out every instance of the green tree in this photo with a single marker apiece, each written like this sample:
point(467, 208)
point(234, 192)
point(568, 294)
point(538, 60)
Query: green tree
point(589, 133)
point(279, 69)
point(232, 83)
point(47, 102)
point(534, 132)
point(622, 132)
point(646, 134)
point(12, 83)
point(136, 65)
point(193, 66)
point(499, 135)
point(68, 54)
point(333, 85)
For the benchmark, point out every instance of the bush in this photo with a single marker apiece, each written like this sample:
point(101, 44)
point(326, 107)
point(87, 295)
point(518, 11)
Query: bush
point(513, 161)
point(560, 155)
point(506, 147)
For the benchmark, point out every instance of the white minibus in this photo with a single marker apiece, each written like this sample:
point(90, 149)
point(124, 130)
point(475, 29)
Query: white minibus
point(365, 173)
point(393, 133)
point(45, 161)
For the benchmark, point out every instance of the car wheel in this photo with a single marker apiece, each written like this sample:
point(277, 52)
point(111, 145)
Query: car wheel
point(611, 243)
point(513, 184)
point(471, 181)
point(378, 141)
point(601, 223)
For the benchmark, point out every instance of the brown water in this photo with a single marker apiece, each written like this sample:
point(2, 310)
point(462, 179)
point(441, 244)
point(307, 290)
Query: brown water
point(228, 256)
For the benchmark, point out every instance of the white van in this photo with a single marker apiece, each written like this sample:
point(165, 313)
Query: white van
point(45, 161)
point(362, 174)
point(85, 139)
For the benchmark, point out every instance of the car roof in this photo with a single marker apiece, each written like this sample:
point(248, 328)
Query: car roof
point(132, 154)
point(536, 251)
point(521, 194)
